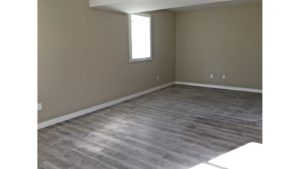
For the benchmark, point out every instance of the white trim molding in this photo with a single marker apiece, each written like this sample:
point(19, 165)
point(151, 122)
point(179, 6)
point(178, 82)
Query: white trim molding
point(100, 106)
point(219, 87)
point(132, 96)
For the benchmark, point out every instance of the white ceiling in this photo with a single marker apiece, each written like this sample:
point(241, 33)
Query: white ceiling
point(135, 6)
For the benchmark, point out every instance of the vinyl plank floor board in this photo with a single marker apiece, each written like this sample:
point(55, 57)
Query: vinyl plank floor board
point(174, 128)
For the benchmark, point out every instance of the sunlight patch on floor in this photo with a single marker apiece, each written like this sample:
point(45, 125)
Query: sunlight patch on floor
point(248, 156)
point(206, 166)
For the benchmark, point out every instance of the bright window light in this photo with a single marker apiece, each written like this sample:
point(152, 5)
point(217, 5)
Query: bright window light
point(140, 37)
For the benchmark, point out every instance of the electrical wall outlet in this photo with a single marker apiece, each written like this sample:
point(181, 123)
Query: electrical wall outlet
point(211, 76)
point(223, 76)
point(40, 107)
point(157, 77)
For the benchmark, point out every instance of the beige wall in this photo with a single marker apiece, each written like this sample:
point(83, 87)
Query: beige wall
point(83, 56)
point(222, 40)
point(83, 53)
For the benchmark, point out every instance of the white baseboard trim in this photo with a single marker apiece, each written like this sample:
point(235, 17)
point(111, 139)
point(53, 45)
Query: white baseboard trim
point(100, 106)
point(220, 87)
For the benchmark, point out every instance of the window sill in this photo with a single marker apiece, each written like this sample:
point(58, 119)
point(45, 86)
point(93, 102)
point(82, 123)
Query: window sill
point(140, 60)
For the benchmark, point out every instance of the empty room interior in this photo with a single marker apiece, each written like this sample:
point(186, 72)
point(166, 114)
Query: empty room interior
point(149, 84)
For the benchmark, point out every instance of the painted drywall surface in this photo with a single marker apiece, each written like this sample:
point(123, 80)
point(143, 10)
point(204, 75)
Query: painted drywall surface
point(83, 56)
point(222, 40)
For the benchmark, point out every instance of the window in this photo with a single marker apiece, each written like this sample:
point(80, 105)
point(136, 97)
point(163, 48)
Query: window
point(140, 37)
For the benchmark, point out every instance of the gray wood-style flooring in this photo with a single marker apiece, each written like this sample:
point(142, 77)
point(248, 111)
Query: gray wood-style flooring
point(175, 128)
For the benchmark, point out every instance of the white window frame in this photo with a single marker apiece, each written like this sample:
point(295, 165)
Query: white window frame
point(130, 41)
